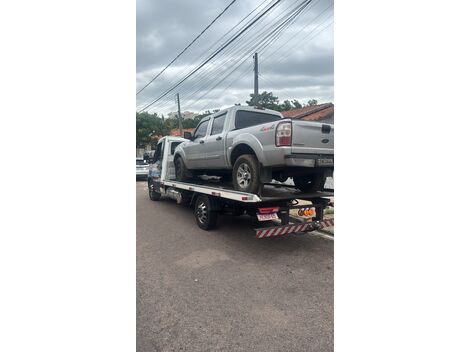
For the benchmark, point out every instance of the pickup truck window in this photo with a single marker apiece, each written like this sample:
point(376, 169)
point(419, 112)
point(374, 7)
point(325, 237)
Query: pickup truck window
point(218, 124)
point(201, 129)
point(245, 119)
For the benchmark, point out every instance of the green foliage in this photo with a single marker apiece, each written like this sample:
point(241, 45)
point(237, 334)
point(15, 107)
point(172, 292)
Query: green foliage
point(286, 105)
point(296, 104)
point(312, 102)
point(152, 124)
point(269, 101)
point(146, 125)
point(266, 100)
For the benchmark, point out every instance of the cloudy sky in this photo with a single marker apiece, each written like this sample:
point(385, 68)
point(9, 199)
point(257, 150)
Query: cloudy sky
point(295, 62)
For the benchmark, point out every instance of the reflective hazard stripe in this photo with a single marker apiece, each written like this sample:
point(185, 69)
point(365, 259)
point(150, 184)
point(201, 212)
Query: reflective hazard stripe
point(282, 230)
point(326, 223)
point(287, 229)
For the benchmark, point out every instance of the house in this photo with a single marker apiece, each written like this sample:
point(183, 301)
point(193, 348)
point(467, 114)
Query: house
point(320, 112)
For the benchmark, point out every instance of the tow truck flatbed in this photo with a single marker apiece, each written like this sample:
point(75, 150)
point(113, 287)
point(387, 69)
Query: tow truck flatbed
point(210, 197)
point(271, 192)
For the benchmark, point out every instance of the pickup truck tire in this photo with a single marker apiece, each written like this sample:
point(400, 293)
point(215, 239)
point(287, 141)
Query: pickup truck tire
point(245, 174)
point(311, 183)
point(206, 216)
point(181, 171)
point(152, 194)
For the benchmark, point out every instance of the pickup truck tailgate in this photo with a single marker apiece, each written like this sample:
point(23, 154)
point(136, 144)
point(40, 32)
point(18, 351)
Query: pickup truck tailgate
point(310, 137)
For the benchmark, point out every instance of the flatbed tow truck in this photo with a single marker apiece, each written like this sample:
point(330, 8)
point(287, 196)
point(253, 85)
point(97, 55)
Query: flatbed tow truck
point(210, 198)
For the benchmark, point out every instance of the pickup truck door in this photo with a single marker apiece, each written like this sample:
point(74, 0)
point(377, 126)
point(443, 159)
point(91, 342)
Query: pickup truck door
point(195, 150)
point(215, 143)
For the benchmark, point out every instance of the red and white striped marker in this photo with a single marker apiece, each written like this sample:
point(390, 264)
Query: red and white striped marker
point(288, 229)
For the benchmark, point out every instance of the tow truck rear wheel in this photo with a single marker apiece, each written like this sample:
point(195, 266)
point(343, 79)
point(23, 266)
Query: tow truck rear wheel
point(205, 213)
point(152, 194)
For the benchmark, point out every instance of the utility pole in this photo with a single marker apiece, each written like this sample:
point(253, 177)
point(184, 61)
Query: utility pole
point(179, 114)
point(256, 93)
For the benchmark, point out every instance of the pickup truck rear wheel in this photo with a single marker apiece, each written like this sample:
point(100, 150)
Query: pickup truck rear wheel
point(206, 215)
point(311, 183)
point(245, 174)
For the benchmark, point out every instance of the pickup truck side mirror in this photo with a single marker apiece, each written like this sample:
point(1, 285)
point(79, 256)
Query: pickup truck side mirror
point(188, 135)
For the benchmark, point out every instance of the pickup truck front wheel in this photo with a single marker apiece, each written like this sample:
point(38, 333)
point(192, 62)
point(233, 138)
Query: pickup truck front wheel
point(182, 173)
point(245, 174)
point(311, 183)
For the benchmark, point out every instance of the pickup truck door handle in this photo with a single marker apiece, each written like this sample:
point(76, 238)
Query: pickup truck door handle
point(218, 138)
point(201, 142)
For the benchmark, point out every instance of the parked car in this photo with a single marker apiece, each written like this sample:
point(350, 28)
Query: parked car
point(141, 168)
point(252, 146)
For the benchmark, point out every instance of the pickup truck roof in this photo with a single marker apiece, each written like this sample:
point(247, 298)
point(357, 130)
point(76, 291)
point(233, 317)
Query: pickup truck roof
point(245, 108)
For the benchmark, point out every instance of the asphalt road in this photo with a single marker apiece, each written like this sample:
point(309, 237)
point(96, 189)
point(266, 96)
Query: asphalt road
point(224, 290)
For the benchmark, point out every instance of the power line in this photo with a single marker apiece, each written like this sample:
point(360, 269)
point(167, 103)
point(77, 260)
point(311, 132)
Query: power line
point(236, 37)
point(213, 55)
point(266, 40)
point(207, 73)
point(261, 41)
point(181, 53)
point(188, 68)
point(277, 26)
point(261, 76)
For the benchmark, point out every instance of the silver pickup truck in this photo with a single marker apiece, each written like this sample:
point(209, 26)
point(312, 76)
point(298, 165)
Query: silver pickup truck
point(251, 146)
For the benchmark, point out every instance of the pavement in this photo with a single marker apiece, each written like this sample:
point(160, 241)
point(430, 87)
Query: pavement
point(224, 290)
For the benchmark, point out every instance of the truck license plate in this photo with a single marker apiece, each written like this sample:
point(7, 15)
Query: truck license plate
point(266, 217)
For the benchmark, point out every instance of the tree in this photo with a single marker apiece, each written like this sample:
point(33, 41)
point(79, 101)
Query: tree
point(146, 125)
point(312, 102)
point(285, 106)
point(296, 104)
point(266, 100)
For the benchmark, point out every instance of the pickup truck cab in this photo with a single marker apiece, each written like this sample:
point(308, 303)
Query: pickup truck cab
point(252, 146)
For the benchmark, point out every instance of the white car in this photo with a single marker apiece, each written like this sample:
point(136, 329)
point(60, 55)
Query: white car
point(141, 168)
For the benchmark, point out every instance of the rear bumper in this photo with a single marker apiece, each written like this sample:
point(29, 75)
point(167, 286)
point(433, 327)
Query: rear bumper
point(309, 160)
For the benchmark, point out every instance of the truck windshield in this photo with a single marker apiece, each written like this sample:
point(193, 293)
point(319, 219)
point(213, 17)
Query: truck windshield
point(245, 118)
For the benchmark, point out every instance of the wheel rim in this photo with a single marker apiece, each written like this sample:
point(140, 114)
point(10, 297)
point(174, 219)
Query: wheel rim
point(151, 189)
point(201, 212)
point(243, 175)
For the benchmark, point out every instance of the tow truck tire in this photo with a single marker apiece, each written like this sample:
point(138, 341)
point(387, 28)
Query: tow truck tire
point(245, 174)
point(181, 171)
point(152, 194)
point(206, 216)
point(312, 183)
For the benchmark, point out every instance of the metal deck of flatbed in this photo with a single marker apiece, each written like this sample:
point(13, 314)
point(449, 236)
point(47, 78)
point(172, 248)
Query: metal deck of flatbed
point(271, 192)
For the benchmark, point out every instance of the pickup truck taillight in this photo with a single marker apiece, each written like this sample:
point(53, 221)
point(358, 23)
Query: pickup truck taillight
point(284, 134)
